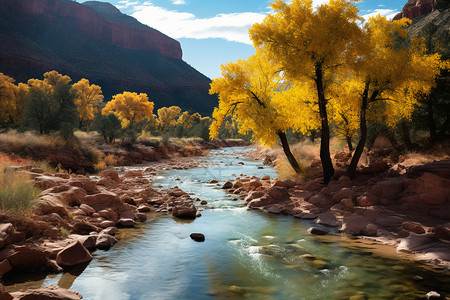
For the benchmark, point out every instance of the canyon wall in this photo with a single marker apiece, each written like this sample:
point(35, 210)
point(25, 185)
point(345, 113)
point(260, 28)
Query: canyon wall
point(93, 24)
point(416, 8)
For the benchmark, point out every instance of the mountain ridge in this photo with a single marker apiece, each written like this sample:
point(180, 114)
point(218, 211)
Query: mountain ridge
point(42, 35)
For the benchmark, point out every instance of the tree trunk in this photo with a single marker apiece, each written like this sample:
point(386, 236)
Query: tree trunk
point(405, 134)
point(349, 143)
point(325, 157)
point(351, 171)
point(288, 153)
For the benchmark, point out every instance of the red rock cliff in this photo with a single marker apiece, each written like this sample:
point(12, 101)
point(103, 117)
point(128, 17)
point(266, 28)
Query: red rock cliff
point(416, 8)
point(95, 25)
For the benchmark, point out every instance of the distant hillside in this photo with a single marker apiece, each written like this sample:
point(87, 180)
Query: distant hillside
point(112, 13)
point(114, 51)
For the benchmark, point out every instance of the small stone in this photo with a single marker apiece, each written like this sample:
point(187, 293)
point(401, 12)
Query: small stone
point(318, 231)
point(198, 237)
point(204, 202)
point(433, 295)
point(227, 185)
point(126, 222)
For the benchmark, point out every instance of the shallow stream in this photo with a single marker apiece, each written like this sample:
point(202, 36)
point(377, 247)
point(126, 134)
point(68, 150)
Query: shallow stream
point(246, 254)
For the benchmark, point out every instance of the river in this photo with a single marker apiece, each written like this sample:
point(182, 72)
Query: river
point(246, 254)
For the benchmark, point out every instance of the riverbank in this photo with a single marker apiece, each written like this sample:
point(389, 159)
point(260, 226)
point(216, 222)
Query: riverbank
point(119, 198)
point(404, 204)
point(75, 214)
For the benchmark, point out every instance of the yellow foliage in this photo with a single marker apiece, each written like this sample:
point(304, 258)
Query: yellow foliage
point(187, 120)
point(89, 99)
point(53, 78)
point(167, 116)
point(300, 37)
point(129, 108)
point(7, 95)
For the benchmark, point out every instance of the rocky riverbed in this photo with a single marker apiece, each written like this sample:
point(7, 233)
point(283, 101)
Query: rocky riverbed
point(76, 214)
point(410, 212)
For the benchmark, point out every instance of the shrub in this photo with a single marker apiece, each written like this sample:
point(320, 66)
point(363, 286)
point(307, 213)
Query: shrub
point(16, 142)
point(16, 191)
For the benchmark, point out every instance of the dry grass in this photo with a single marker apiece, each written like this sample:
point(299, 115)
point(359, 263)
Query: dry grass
point(17, 192)
point(88, 139)
point(15, 142)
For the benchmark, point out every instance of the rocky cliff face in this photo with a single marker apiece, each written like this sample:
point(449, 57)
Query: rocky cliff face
point(416, 8)
point(93, 24)
point(41, 35)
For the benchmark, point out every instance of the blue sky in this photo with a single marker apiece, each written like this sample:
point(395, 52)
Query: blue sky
point(213, 32)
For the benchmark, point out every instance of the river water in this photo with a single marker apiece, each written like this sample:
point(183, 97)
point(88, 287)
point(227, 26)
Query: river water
point(246, 254)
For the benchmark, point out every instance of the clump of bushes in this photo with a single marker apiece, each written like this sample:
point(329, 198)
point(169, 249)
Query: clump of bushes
point(17, 192)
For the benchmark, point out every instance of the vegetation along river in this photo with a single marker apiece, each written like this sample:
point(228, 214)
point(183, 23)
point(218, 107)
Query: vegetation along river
point(246, 254)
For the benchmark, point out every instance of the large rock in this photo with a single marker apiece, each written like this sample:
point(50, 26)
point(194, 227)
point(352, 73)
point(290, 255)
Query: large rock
point(354, 224)
point(46, 182)
point(185, 211)
point(345, 193)
point(3, 294)
point(111, 174)
point(87, 184)
point(126, 223)
point(105, 241)
point(103, 201)
point(389, 189)
point(327, 219)
point(88, 241)
point(432, 189)
point(84, 228)
point(5, 267)
point(278, 194)
point(50, 292)
point(6, 232)
point(318, 231)
point(24, 257)
point(48, 204)
point(439, 168)
point(416, 242)
point(73, 254)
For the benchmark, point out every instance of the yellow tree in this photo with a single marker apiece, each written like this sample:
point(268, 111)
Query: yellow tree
point(247, 92)
point(88, 100)
point(387, 77)
point(187, 120)
point(167, 117)
point(20, 94)
point(53, 78)
point(7, 89)
point(129, 108)
point(310, 45)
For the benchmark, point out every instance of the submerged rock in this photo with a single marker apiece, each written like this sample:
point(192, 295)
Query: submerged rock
point(51, 292)
point(318, 231)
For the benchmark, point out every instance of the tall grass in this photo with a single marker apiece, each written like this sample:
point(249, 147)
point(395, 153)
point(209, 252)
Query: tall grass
point(17, 192)
point(14, 141)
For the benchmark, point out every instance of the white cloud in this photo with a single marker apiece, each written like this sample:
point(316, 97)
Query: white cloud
point(388, 13)
point(178, 2)
point(231, 27)
point(126, 4)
